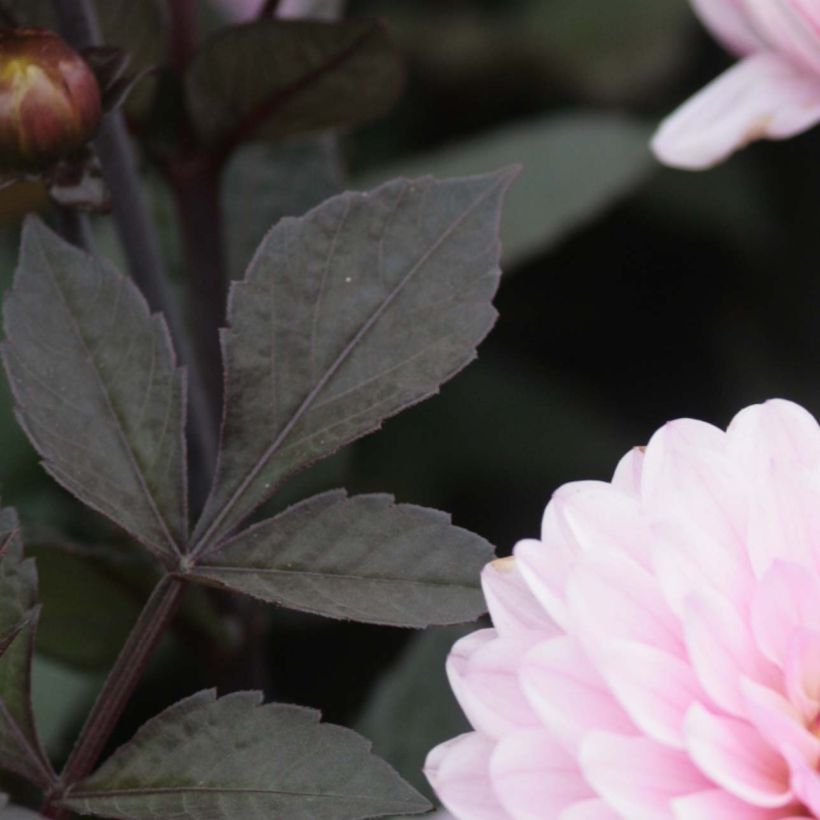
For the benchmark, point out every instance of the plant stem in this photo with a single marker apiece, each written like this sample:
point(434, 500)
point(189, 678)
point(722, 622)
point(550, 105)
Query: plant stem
point(139, 237)
point(75, 228)
point(197, 187)
point(119, 686)
point(184, 32)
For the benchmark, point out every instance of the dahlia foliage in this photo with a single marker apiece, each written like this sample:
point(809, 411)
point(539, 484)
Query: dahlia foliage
point(656, 654)
point(773, 92)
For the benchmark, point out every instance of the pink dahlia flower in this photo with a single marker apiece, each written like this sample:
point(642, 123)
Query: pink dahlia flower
point(772, 92)
point(656, 654)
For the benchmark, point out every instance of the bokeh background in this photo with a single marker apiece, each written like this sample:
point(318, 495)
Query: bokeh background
point(632, 294)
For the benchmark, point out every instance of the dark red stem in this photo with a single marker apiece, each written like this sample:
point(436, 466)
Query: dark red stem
point(118, 688)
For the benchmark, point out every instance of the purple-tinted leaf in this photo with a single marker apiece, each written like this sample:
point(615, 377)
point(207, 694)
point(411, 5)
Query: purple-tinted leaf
point(96, 388)
point(234, 758)
point(275, 78)
point(20, 749)
point(346, 316)
point(364, 559)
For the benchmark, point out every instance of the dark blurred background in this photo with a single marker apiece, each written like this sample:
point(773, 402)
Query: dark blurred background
point(632, 294)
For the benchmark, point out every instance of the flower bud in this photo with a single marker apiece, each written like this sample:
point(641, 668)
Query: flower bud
point(49, 99)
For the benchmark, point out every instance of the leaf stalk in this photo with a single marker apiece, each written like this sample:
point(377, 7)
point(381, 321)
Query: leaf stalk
point(118, 688)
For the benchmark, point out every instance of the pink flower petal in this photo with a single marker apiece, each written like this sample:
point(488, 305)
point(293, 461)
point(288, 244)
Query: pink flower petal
point(534, 777)
point(545, 569)
point(777, 430)
point(459, 771)
point(728, 21)
point(788, 30)
point(568, 694)
point(636, 776)
point(601, 519)
point(803, 672)
point(483, 672)
point(805, 783)
point(627, 477)
point(787, 597)
point(763, 97)
point(778, 721)
point(611, 598)
point(589, 810)
point(784, 523)
point(732, 754)
point(656, 689)
point(687, 559)
point(715, 804)
point(688, 477)
point(513, 608)
point(722, 651)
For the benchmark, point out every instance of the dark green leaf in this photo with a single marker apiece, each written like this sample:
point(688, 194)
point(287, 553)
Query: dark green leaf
point(276, 78)
point(96, 387)
point(413, 708)
point(285, 179)
point(575, 166)
point(346, 316)
point(20, 749)
point(208, 759)
point(364, 558)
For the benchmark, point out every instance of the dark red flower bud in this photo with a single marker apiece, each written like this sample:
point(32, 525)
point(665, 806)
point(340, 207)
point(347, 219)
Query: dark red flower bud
point(49, 99)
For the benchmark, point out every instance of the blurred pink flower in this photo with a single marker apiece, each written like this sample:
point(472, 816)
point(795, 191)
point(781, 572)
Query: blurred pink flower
point(657, 653)
point(772, 93)
point(241, 10)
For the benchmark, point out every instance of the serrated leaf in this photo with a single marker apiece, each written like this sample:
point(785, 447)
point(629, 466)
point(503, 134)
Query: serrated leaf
point(96, 387)
point(20, 749)
point(275, 78)
point(576, 166)
point(364, 559)
point(209, 759)
point(284, 179)
point(377, 299)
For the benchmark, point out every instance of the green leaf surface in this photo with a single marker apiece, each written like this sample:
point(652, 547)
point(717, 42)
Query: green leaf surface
point(378, 298)
point(20, 749)
point(277, 78)
point(364, 559)
point(412, 709)
point(96, 387)
point(284, 179)
point(209, 759)
point(575, 166)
